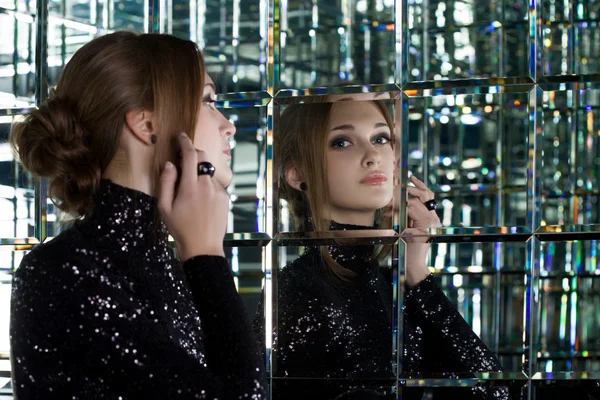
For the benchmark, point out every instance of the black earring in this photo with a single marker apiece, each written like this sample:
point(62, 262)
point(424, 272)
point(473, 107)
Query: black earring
point(303, 186)
point(153, 138)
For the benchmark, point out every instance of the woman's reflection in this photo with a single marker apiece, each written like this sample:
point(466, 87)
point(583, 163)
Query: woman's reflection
point(334, 304)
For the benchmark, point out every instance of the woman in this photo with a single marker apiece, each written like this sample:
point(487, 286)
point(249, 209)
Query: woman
point(334, 303)
point(104, 310)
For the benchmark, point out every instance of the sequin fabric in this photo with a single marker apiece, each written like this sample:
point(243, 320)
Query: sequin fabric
point(104, 311)
point(327, 329)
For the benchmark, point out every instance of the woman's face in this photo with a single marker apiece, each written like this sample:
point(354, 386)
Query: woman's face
point(212, 135)
point(360, 162)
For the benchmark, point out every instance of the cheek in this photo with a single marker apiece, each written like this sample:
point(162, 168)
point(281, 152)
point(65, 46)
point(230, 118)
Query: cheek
point(340, 175)
point(389, 157)
point(206, 135)
point(334, 166)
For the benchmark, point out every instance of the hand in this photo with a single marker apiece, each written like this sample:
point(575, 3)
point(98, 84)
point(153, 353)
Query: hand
point(418, 215)
point(420, 219)
point(196, 211)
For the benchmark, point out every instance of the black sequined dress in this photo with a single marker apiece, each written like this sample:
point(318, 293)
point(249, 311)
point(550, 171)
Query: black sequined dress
point(340, 335)
point(104, 311)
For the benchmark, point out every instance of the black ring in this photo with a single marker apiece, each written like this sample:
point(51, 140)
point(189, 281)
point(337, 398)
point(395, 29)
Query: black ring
point(206, 168)
point(431, 205)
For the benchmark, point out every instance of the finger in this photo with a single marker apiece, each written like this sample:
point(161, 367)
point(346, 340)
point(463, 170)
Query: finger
point(166, 195)
point(417, 204)
point(189, 161)
point(420, 185)
point(422, 194)
point(422, 222)
point(417, 210)
point(421, 216)
point(417, 182)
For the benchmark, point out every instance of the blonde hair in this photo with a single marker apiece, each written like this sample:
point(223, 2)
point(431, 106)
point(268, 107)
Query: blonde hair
point(302, 143)
point(72, 137)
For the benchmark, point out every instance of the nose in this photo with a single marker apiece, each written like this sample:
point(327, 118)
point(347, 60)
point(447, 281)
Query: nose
point(372, 156)
point(227, 128)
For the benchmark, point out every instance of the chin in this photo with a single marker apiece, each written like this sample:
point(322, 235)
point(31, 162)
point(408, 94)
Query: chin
point(225, 179)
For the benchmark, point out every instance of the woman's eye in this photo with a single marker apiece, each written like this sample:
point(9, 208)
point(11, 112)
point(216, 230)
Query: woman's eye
point(382, 140)
point(209, 101)
point(340, 143)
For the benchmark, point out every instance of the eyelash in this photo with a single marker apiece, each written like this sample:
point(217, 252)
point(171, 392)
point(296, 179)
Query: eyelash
point(338, 140)
point(385, 136)
point(209, 101)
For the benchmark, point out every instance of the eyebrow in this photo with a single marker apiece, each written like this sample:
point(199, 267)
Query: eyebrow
point(350, 127)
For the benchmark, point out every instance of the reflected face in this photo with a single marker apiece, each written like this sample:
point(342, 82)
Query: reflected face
point(360, 162)
point(212, 135)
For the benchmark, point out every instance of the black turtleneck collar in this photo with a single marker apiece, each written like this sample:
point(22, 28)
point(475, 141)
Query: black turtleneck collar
point(127, 220)
point(358, 258)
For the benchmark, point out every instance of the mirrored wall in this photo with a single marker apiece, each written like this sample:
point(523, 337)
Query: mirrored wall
point(493, 106)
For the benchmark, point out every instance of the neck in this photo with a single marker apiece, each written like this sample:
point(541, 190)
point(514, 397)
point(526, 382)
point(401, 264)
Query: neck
point(130, 174)
point(354, 218)
point(128, 222)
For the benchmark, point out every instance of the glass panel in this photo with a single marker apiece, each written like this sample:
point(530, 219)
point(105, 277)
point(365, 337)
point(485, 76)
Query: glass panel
point(329, 335)
point(89, 15)
point(566, 259)
point(353, 133)
point(468, 322)
point(473, 151)
point(63, 42)
point(232, 34)
point(248, 163)
point(569, 151)
point(568, 37)
point(485, 282)
point(17, 199)
point(564, 386)
point(25, 6)
point(331, 42)
point(569, 325)
point(466, 40)
point(233, 38)
point(247, 267)
point(587, 54)
point(566, 339)
point(17, 60)
point(556, 59)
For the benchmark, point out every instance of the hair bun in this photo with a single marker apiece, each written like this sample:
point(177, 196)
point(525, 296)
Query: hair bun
point(51, 143)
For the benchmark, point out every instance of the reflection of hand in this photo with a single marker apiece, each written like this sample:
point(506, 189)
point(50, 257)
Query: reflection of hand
point(418, 215)
point(195, 212)
point(420, 219)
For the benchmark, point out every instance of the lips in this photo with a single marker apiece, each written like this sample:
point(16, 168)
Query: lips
point(375, 178)
point(227, 152)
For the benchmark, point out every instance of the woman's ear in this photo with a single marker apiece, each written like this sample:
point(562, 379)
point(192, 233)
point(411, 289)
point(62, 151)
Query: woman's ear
point(294, 177)
point(141, 123)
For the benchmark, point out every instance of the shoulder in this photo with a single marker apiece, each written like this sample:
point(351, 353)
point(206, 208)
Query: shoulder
point(55, 251)
point(304, 269)
point(49, 263)
point(303, 278)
